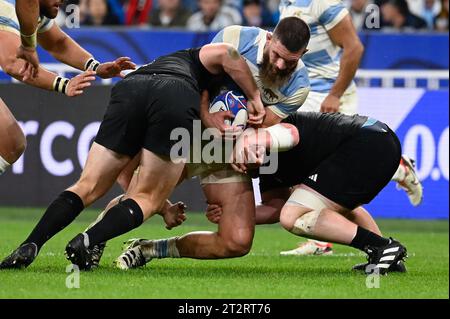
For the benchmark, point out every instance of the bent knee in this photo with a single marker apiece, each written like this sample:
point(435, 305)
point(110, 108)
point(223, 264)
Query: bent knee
point(20, 142)
point(19, 149)
point(15, 145)
point(287, 221)
point(238, 247)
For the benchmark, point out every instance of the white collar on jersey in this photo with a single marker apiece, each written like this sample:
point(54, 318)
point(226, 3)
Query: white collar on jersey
point(261, 40)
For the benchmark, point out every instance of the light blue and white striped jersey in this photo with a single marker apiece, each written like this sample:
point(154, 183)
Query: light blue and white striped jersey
point(323, 58)
point(9, 21)
point(250, 42)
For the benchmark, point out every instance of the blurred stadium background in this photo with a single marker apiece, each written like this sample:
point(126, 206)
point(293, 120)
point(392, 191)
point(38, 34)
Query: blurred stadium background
point(403, 80)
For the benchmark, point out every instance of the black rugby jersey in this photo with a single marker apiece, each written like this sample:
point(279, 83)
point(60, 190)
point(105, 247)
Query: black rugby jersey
point(321, 134)
point(184, 64)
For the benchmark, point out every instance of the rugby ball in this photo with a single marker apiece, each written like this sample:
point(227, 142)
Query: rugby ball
point(235, 102)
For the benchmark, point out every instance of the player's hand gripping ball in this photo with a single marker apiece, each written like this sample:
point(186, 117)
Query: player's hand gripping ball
point(235, 102)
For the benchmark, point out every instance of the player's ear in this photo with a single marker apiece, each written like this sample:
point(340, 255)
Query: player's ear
point(269, 36)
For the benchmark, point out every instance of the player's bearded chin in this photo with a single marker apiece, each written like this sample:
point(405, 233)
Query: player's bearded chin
point(270, 76)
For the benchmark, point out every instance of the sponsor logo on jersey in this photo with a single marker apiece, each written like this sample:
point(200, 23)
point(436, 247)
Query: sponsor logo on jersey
point(269, 96)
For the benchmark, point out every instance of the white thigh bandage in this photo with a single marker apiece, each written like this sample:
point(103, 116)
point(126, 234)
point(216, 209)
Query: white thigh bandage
point(282, 139)
point(304, 225)
point(3, 165)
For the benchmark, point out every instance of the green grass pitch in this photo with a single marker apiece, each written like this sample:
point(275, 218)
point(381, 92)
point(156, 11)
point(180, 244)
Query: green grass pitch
point(260, 274)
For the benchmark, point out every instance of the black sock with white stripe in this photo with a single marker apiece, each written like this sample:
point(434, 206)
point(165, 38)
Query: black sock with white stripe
point(364, 238)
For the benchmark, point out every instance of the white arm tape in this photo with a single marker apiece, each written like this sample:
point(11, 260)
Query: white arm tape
point(282, 139)
point(3, 165)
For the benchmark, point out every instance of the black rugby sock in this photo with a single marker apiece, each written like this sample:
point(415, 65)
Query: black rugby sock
point(119, 220)
point(364, 238)
point(61, 212)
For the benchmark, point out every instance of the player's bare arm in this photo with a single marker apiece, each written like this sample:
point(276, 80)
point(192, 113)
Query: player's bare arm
point(44, 79)
point(221, 57)
point(63, 48)
point(271, 118)
point(28, 14)
point(251, 146)
point(66, 50)
point(344, 35)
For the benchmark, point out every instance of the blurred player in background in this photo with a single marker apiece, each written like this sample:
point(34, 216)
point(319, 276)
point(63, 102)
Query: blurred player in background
point(15, 46)
point(333, 57)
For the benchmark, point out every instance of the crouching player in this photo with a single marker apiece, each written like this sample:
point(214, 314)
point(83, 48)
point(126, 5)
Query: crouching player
point(329, 172)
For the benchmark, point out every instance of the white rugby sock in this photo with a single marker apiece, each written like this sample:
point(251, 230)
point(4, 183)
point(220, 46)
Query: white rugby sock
point(3, 165)
point(172, 247)
point(161, 248)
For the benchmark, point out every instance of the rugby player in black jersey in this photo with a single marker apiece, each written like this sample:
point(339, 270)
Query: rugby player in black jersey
point(144, 109)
